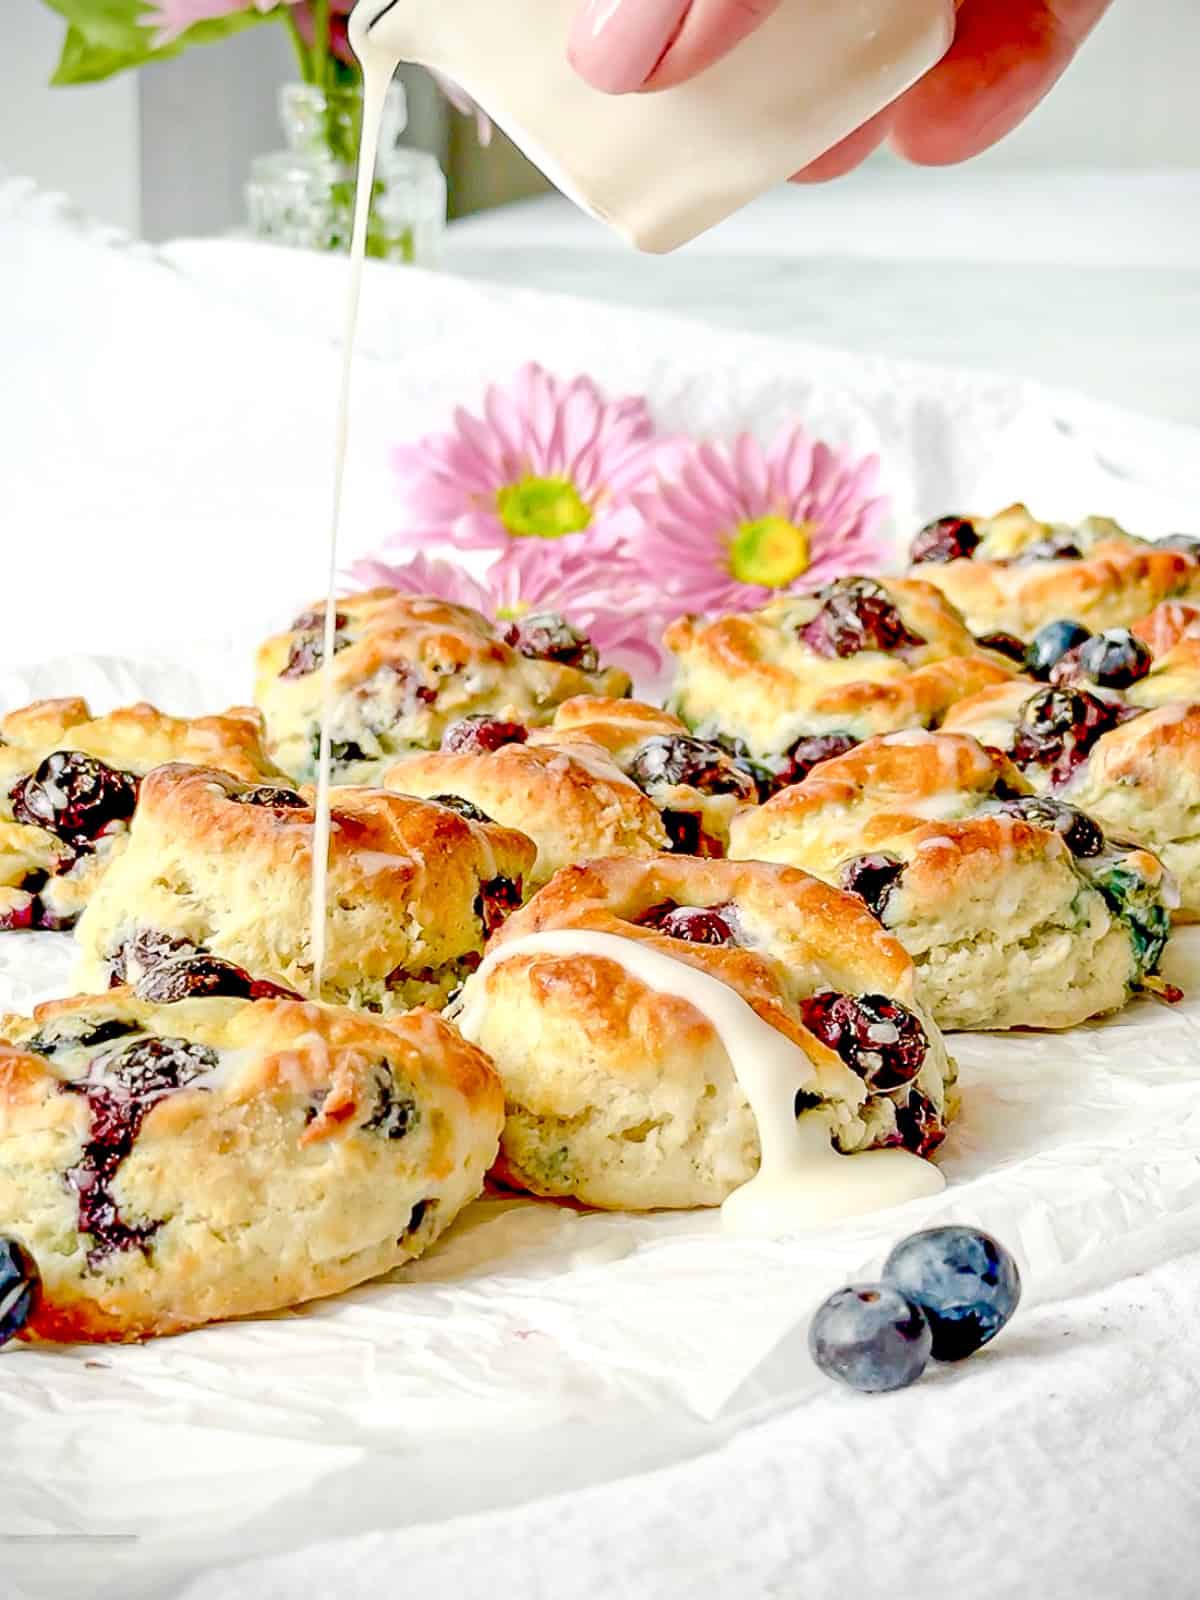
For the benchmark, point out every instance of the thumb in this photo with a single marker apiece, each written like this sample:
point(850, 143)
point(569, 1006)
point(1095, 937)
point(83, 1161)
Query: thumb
point(622, 46)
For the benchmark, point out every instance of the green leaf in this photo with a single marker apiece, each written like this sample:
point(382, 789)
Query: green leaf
point(107, 36)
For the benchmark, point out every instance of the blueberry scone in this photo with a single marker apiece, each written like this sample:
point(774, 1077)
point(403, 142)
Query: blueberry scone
point(1116, 733)
point(808, 676)
point(218, 866)
point(404, 669)
point(619, 1091)
point(69, 784)
point(199, 1147)
point(1013, 574)
point(1016, 909)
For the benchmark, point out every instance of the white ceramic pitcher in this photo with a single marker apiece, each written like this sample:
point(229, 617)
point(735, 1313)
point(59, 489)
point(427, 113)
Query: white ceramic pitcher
point(663, 167)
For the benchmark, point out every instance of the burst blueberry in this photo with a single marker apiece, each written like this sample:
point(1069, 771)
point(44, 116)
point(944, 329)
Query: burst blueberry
point(20, 1287)
point(1051, 643)
point(966, 1283)
point(1003, 644)
point(871, 1338)
point(713, 925)
point(947, 539)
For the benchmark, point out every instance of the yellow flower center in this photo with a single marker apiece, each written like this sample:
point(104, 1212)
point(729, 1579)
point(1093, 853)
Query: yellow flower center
point(771, 552)
point(513, 613)
point(542, 508)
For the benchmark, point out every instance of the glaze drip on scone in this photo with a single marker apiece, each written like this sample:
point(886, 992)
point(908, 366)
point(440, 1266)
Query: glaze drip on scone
point(802, 1181)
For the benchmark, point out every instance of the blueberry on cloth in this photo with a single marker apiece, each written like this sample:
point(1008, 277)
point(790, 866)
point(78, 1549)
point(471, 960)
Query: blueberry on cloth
point(965, 1282)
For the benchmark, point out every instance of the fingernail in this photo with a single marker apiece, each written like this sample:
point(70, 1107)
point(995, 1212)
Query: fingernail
point(616, 44)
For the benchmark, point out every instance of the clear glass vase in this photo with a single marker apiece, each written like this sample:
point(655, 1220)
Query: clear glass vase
point(304, 195)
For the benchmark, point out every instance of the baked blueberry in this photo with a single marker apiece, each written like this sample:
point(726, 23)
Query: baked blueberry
point(314, 621)
point(144, 951)
point(464, 808)
point(1004, 644)
point(393, 1113)
point(1058, 728)
point(75, 797)
point(497, 899)
point(870, 1337)
point(876, 1037)
point(872, 878)
point(947, 539)
point(1050, 644)
point(274, 799)
point(200, 977)
point(1114, 659)
point(1060, 546)
point(20, 1287)
point(808, 753)
point(121, 1089)
point(965, 1282)
point(919, 1126)
point(1082, 837)
point(693, 924)
point(545, 636)
point(481, 734)
point(856, 614)
point(699, 763)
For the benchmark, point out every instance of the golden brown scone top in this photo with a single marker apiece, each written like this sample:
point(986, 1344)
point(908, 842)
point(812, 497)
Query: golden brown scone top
point(135, 738)
point(797, 930)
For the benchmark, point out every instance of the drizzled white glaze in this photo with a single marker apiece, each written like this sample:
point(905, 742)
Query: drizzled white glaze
point(802, 1181)
point(377, 75)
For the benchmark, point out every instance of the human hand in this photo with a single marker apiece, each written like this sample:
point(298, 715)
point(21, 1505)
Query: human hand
point(1006, 57)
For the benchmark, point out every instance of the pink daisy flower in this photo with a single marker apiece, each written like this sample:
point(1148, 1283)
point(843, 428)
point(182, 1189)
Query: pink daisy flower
point(732, 527)
point(600, 593)
point(549, 462)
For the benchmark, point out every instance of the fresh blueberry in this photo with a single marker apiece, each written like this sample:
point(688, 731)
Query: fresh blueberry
point(872, 878)
point(693, 924)
point(869, 1337)
point(1115, 659)
point(1004, 644)
point(965, 1282)
point(947, 539)
point(1050, 644)
point(20, 1287)
point(480, 735)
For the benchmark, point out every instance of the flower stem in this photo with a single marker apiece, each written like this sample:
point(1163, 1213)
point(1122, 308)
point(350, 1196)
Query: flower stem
point(302, 55)
point(321, 54)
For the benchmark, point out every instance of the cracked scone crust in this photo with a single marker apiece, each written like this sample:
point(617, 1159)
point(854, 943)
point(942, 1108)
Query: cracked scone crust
point(1008, 925)
point(69, 784)
point(764, 680)
point(404, 669)
point(1018, 579)
point(414, 889)
point(172, 1165)
point(623, 1097)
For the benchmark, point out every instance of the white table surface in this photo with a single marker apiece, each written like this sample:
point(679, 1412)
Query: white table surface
point(1061, 1462)
point(1090, 280)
